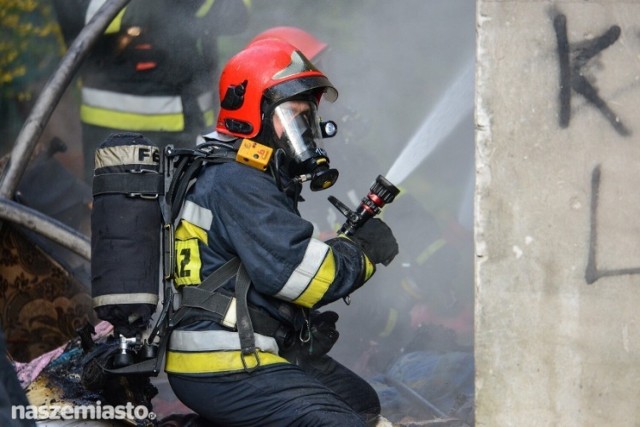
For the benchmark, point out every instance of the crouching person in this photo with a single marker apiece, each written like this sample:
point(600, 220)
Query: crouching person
point(249, 347)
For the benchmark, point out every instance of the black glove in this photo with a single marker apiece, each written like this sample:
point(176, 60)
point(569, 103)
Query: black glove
point(323, 333)
point(377, 241)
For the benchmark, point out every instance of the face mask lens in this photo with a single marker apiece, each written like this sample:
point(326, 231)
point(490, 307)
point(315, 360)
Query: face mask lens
point(297, 126)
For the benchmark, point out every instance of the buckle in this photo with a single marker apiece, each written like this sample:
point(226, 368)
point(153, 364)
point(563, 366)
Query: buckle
point(243, 354)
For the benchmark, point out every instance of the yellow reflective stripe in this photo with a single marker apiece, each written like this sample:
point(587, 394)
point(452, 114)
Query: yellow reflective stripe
point(196, 215)
point(392, 320)
point(116, 24)
point(320, 283)
point(187, 230)
point(247, 3)
point(411, 289)
point(204, 9)
point(188, 263)
point(369, 268)
point(430, 250)
point(131, 122)
point(217, 361)
point(93, 8)
point(128, 298)
point(301, 277)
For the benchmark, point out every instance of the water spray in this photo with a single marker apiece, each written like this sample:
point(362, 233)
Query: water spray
point(455, 105)
point(381, 193)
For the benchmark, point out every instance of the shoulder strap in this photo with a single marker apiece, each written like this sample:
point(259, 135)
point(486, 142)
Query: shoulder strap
point(189, 163)
point(245, 327)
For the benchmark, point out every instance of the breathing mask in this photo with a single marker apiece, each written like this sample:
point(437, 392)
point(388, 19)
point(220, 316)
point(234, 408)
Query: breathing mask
point(296, 129)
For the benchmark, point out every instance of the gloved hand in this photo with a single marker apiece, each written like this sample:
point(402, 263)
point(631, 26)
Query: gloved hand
point(323, 333)
point(377, 241)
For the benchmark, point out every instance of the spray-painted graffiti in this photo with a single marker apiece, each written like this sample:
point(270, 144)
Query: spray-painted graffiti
point(573, 57)
point(592, 272)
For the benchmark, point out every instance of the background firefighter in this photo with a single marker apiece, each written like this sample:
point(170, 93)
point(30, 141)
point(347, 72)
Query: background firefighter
point(235, 210)
point(150, 72)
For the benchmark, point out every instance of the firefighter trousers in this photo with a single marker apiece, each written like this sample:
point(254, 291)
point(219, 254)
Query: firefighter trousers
point(316, 392)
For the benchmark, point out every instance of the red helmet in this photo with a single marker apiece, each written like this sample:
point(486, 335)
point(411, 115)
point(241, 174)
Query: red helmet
point(265, 73)
point(310, 46)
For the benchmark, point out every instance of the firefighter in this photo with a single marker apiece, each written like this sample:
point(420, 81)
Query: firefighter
point(263, 359)
point(151, 71)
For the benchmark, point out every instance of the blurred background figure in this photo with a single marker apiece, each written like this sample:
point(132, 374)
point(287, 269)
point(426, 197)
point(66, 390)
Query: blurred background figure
point(154, 69)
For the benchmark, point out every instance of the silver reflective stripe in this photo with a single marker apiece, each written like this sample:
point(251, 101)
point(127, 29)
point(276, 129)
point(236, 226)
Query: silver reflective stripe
point(205, 101)
point(196, 215)
point(126, 155)
point(112, 299)
point(216, 341)
point(148, 105)
point(93, 7)
point(305, 271)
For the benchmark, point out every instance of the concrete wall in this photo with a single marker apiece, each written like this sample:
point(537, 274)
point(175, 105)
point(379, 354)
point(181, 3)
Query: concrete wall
point(558, 213)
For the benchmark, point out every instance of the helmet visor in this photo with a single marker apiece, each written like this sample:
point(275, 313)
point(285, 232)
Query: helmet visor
point(297, 126)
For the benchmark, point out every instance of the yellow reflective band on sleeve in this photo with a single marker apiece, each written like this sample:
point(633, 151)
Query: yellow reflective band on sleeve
point(188, 262)
point(187, 230)
point(369, 268)
point(131, 121)
point(312, 261)
point(322, 280)
point(392, 320)
point(430, 250)
point(217, 361)
point(247, 3)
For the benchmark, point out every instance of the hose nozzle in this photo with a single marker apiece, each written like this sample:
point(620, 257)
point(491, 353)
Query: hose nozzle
point(381, 193)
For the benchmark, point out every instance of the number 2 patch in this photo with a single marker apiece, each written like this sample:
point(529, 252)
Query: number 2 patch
point(188, 263)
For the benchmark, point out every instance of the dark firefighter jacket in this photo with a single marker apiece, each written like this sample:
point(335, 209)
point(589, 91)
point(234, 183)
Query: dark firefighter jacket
point(237, 210)
point(154, 68)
